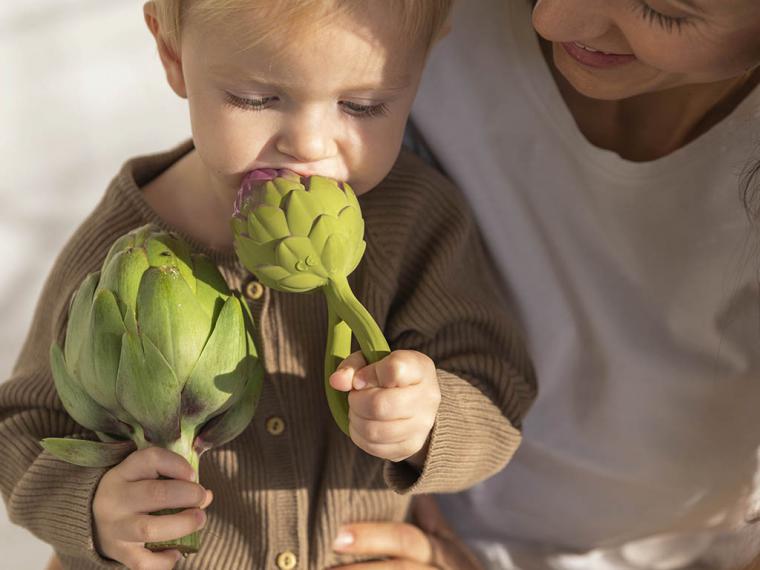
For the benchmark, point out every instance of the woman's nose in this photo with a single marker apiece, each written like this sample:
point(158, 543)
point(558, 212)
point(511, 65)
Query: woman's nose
point(306, 140)
point(572, 20)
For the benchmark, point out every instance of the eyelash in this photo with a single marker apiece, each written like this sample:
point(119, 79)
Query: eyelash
point(353, 109)
point(666, 22)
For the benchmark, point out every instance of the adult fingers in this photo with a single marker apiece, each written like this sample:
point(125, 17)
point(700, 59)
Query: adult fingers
point(394, 540)
point(428, 516)
point(396, 564)
point(155, 494)
point(155, 462)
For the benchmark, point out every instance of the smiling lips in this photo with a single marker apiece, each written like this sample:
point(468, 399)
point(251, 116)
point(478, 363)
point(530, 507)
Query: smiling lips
point(595, 58)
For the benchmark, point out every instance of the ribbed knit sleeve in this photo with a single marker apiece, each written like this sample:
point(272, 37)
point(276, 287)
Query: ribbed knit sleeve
point(432, 280)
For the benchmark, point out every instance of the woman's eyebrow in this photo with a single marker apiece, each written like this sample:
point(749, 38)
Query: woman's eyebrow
point(694, 5)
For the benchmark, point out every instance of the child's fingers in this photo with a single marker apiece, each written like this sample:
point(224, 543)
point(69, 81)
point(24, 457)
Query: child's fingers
point(155, 494)
point(394, 431)
point(342, 378)
point(384, 404)
point(399, 369)
point(154, 462)
point(144, 559)
point(158, 528)
point(390, 451)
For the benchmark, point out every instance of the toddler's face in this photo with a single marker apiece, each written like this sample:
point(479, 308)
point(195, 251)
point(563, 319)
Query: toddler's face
point(332, 101)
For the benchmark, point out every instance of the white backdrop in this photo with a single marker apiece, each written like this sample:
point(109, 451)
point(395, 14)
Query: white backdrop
point(81, 90)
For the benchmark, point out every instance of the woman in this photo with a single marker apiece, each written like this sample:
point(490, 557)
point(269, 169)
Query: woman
point(601, 150)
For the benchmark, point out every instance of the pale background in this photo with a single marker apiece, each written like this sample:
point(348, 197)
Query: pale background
point(81, 90)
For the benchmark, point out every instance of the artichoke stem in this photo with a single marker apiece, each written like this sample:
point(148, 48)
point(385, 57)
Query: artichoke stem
point(338, 348)
point(347, 306)
point(190, 543)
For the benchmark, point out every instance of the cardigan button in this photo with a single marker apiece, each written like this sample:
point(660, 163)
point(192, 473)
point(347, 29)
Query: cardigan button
point(254, 290)
point(286, 560)
point(275, 425)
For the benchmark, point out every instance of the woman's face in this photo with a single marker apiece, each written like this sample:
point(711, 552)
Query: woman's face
point(614, 49)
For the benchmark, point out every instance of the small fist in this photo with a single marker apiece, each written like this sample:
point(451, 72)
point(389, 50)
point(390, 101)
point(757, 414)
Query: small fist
point(392, 403)
point(131, 490)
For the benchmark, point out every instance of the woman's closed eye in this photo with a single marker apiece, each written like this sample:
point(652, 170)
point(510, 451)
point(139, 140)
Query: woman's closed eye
point(665, 21)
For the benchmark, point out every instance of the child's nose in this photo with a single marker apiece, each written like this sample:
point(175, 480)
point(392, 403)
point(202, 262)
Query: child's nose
point(306, 144)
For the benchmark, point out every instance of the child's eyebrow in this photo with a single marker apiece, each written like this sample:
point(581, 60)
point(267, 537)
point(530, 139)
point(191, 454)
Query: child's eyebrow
point(397, 83)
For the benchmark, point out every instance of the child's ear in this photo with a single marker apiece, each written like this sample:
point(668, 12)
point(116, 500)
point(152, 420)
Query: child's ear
point(169, 58)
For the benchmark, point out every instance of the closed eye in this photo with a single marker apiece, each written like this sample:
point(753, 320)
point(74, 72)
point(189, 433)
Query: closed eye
point(666, 22)
point(257, 104)
point(364, 111)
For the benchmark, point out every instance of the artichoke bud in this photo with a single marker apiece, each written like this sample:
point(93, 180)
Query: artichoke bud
point(296, 233)
point(156, 345)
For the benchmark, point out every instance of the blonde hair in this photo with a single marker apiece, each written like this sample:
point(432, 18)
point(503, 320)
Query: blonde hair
point(421, 20)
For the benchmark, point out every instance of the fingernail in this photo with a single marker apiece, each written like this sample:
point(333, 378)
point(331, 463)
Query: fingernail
point(343, 540)
point(359, 383)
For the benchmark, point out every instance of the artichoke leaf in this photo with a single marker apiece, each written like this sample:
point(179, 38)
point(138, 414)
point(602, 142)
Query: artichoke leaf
point(124, 242)
point(79, 405)
point(165, 248)
point(86, 453)
point(99, 359)
point(358, 254)
point(324, 226)
point(227, 426)
point(259, 254)
point(331, 198)
point(351, 198)
point(270, 275)
point(336, 256)
point(123, 274)
point(301, 210)
point(266, 224)
point(301, 282)
point(293, 252)
point(218, 376)
point(286, 185)
point(271, 195)
point(79, 318)
point(239, 225)
point(211, 289)
point(149, 390)
point(172, 318)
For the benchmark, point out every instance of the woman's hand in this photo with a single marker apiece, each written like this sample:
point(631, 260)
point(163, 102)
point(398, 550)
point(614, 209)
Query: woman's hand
point(431, 545)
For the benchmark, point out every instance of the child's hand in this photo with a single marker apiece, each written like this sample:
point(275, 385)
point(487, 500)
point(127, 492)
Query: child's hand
point(131, 490)
point(392, 405)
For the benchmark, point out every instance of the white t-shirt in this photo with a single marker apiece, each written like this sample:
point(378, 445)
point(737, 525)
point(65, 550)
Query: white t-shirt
point(637, 286)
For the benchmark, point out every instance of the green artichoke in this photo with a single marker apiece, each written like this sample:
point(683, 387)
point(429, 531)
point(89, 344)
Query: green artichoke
point(297, 234)
point(158, 352)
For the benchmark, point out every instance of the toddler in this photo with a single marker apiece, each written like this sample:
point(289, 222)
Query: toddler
point(317, 87)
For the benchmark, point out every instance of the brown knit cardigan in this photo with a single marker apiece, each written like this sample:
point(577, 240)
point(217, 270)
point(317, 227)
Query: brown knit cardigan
point(428, 282)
